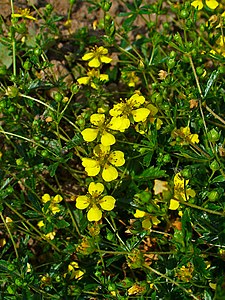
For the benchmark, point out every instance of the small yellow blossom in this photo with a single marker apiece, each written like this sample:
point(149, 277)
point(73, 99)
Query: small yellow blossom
point(105, 160)
point(2, 242)
point(90, 134)
point(148, 220)
point(91, 75)
point(212, 4)
point(180, 191)
point(24, 13)
point(97, 56)
point(54, 207)
point(130, 78)
point(184, 136)
point(50, 235)
point(41, 224)
point(122, 112)
point(74, 271)
point(185, 272)
point(94, 202)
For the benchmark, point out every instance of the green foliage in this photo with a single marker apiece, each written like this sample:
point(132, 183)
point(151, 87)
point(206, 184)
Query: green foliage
point(112, 152)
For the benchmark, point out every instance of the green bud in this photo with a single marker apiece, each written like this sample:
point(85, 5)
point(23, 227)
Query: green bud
point(213, 195)
point(184, 14)
point(12, 91)
point(214, 166)
point(213, 135)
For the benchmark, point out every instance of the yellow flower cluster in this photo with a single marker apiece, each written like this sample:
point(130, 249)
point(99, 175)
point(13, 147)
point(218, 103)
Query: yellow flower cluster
point(96, 57)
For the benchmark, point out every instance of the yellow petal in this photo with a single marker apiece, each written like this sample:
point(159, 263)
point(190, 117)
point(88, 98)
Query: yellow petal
point(136, 100)
point(94, 63)
point(57, 199)
point(82, 202)
point(194, 138)
point(140, 114)
point(197, 4)
point(101, 150)
point(174, 204)
point(139, 213)
point(154, 220)
point(97, 119)
point(89, 134)
point(146, 223)
point(45, 198)
point(109, 173)
point(89, 162)
point(94, 214)
point(212, 4)
point(95, 189)
point(107, 203)
point(54, 208)
point(107, 139)
point(93, 171)
point(104, 77)
point(117, 109)
point(105, 59)
point(116, 158)
point(83, 80)
point(88, 56)
point(119, 123)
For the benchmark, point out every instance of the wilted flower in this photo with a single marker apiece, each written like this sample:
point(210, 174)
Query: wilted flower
point(184, 136)
point(94, 202)
point(97, 56)
point(105, 160)
point(180, 191)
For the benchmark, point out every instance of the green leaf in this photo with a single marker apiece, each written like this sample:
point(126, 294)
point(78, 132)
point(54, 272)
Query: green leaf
point(210, 82)
point(5, 56)
point(219, 178)
point(151, 173)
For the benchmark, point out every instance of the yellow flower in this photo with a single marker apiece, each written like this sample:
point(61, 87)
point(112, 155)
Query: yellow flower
point(185, 272)
point(95, 202)
point(97, 56)
point(212, 4)
point(124, 110)
point(184, 136)
point(90, 134)
point(136, 289)
point(53, 206)
point(91, 75)
point(24, 13)
point(74, 271)
point(130, 78)
point(105, 160)
point(180, 191)
point(50, 235)
point(148, 220)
